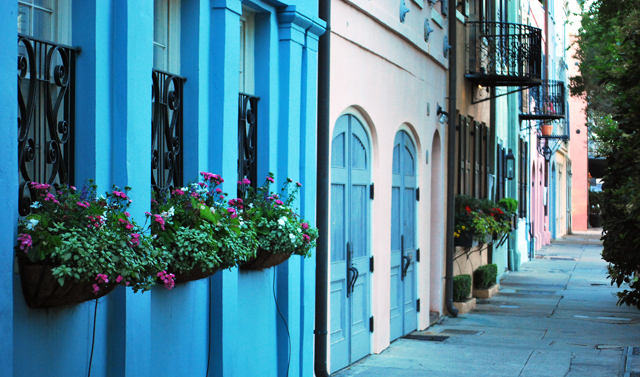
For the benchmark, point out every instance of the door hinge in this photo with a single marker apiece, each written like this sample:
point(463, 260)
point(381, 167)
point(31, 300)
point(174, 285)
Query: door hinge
point(371, 324)
point(371, 192)
point(418, 305)
point(371, 264)
point(418, 255)
point(418, 194)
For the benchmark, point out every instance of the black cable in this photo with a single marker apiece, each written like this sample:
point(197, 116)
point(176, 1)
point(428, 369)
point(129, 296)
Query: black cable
point(283, 320)
point(209, 353)
point(93, 341)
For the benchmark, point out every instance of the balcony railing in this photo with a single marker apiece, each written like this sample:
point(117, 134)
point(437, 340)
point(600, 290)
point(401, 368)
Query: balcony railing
point(166, 131)
point(504, 54)
point(247, 139)
point(46, 74)
point(546, 101)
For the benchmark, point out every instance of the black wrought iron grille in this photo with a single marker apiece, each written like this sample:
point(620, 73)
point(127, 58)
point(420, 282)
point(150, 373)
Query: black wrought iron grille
point(166, 131)
point(504, 54)
point(247, 139)
point(546, 101)
point(45, 121)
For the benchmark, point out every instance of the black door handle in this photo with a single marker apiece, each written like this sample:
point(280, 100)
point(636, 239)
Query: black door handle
point(352, 282)
point(405, 268)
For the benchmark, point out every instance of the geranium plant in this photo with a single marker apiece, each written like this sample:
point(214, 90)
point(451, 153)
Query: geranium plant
point(479, 218)
point(87, 239)
point(199, 229)
point(279, 228)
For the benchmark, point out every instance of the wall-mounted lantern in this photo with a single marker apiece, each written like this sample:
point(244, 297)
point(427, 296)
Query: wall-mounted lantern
point(547, 153)
point(442, 115)
point(511, 162)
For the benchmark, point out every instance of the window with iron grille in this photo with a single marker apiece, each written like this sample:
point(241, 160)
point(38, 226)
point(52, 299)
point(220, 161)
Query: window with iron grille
point(167, 98)
point(46, 74)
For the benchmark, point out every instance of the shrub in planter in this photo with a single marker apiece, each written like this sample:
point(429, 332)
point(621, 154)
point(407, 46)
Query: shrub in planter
point(75, 246)
point(461, 287)
point(280, 231)
point(199, 230)
point(485, 276)
point(509, 205)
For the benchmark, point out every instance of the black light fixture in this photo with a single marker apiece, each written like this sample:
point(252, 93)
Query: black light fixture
point(511, 161)
point(547, 153)
point(442, 115)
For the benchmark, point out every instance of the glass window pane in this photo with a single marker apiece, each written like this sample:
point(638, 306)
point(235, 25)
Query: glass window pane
point(44, 3)
point(42, 24)
point(24, 19)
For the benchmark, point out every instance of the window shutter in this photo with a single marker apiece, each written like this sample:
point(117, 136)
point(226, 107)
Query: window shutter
point(467, 150)
point(477, 138)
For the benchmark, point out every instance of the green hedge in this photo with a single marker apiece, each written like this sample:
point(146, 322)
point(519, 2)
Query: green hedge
point(485, 276)
point(461, 287)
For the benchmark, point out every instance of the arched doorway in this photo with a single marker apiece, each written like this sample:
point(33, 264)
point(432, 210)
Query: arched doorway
point(350, 248)
point(552, 202)
point(403, 287)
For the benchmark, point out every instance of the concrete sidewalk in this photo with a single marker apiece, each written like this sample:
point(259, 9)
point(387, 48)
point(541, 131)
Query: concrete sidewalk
point(555, 317)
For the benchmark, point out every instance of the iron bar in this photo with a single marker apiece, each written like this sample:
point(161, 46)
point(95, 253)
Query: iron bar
point(546, 101)
point(247, 140)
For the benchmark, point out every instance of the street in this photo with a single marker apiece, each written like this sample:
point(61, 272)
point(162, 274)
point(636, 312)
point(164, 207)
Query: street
point(557, 316)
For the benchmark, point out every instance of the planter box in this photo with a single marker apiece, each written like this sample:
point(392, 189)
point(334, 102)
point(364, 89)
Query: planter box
point(465, 306)
point(195, 274)
point(595, 220)
point(486, 293)
point(264, 259)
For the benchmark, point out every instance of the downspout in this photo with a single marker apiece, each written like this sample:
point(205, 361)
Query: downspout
point(322, 195)
point(451, 148)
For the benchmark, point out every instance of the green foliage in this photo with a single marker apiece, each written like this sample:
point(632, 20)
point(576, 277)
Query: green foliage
point(595, 202)
point(485, 276)
point(482, 217)
point(279, 229)
point(461, 287)
point(509, 205)
point(609, 50)
point(88, 239)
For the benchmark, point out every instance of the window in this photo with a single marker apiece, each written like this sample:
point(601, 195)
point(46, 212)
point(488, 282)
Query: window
point(522, 177)
point(167, 98)
point(247, 47)
point(46, 71)
point(166, 35)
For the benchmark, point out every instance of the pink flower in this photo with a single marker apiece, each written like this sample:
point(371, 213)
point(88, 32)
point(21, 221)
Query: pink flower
point(73, 188)
point(178, 192)
point(279, 202)
point(83, 205)
point(221, 196)
point(159, 220)
point(120, 194)
point(219, 190)
point(298, 184)
point(305, 226)
point(127, 214)
point(231, 210)
point(102, 278)
point(195, 195)
point(246, 181)
point(270, 180)
point(307, 239)
point(135, 240)
point(289, 179)
point(26, 243)
point(40, 186)
point(167, 279)
point(95, 289)
point(202, 184)
point(119, 279)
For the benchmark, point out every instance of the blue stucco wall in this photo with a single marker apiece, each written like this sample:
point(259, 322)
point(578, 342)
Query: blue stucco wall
point(229, 323)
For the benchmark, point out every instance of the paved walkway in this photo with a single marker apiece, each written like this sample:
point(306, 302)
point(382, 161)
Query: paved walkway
point(557, 316)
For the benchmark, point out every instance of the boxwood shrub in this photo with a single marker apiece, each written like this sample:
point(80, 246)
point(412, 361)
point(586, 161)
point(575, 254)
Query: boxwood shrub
point(485, 276)
point(461, 287)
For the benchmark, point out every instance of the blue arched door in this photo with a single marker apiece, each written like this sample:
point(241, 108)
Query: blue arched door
point(552, 202)
point(403, 237)
point(350, 249)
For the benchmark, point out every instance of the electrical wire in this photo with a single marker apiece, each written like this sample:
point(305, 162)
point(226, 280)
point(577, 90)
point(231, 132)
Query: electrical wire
point(93, 340)
point(283, 320)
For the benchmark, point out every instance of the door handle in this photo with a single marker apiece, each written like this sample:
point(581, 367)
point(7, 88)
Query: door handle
point(405, 268)
point(402, 257)
point(352, 282)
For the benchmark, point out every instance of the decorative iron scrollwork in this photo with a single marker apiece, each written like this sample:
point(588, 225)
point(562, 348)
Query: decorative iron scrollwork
point(166, 131)
point(45, 115)
point(504, 54)
point(247, 139)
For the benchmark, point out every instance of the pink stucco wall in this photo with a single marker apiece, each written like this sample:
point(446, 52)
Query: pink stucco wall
point(386, 75)
point(579, 153)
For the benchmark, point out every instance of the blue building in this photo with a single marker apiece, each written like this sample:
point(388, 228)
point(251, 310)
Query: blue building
point(146, 93)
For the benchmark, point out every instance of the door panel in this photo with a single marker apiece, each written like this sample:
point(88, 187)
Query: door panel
point(403, 238)
point(350, 298)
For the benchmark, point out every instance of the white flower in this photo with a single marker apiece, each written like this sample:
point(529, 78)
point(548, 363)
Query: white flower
point(213, 210)
point(292, 238)
point(36, 204)
point(299, 230)
point(167, 214)
point(281, 222)
point(102, 197)
point(185, 189)
point(250, 205)
point(32, 223)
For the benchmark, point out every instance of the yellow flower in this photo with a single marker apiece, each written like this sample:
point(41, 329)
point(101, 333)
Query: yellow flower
point(463, 228)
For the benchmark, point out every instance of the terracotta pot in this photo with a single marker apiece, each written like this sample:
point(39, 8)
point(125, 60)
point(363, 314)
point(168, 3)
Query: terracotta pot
point(42, 291)
point(264, 259)
point(195, 274)
point(546, 129)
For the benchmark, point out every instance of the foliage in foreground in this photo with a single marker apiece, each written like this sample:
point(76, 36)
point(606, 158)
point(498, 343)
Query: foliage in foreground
point(609, 50)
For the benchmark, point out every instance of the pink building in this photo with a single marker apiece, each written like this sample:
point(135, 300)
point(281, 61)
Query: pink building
point(579, 155)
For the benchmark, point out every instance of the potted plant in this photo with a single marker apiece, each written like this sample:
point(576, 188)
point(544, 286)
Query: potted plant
point(546, 129)
point(461, 293)
point(199, 230)
point(280, 231)
point(478, 219)
point(75, 246)
point(484, 281)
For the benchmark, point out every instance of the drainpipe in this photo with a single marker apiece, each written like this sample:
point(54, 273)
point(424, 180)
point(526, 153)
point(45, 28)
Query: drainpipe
point(451, 150)
point(322, 195)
